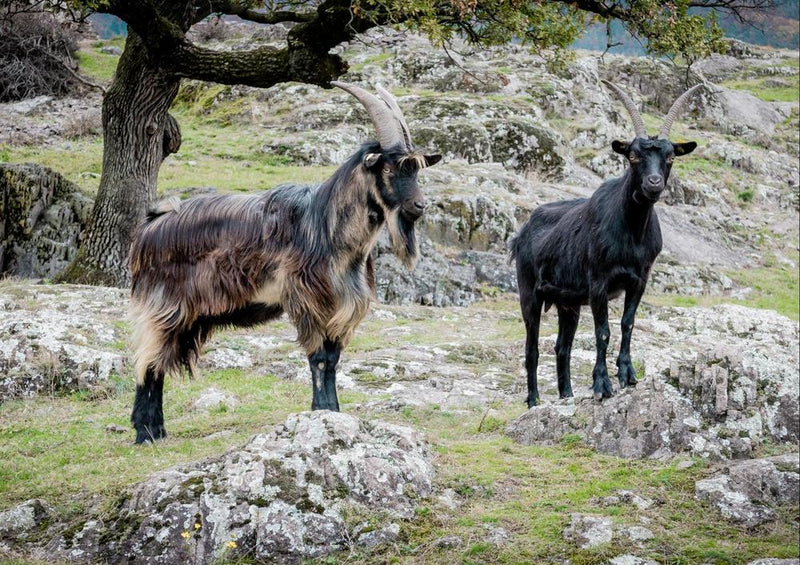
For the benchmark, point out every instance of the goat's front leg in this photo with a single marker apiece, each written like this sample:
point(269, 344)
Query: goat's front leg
point(567, 324)
point(323, 376)
point(626, 373)
point(147, 416)
point(601, 384)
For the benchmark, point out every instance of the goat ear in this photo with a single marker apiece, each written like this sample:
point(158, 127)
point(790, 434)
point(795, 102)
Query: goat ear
point(684, 148)
point(431, 160)
point(620, 147)
point(370, 159)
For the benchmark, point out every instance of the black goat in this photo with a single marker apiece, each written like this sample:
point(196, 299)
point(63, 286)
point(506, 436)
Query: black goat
point(589, 250)
point(242, 260)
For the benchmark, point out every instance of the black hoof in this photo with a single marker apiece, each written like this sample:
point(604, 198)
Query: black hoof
point(533, 402)
point(332, 408)
point(148, 435)
point(598, 396)
point(567, 394)
point(632, 381)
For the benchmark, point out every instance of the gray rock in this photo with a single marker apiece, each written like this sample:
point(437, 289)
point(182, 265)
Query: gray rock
point(23, 521)
point(738, 112)
point(637, 533)
point(57, 339)
point(448, 542)
point(284, 496)
point(215, 399)
point(628, 559)
point(31, 105)
point(746, 492)
point(652, 420)
point(588, 531)
point(43, 217)
point(739, 390)
point(378, 536)
point(774, 561)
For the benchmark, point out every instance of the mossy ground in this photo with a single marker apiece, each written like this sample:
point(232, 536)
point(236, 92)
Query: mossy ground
point(58, 449)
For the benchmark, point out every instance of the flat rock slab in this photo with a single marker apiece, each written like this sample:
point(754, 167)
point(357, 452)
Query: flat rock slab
point(283, 497)
point(588, 531)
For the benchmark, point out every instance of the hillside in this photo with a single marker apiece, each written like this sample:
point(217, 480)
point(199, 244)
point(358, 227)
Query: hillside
point(434, 458)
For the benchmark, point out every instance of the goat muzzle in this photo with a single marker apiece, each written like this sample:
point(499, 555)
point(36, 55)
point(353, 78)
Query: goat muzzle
point(413, 210)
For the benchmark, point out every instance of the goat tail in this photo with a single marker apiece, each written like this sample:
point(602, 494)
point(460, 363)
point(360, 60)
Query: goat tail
point(513, 248)
point(165, 206)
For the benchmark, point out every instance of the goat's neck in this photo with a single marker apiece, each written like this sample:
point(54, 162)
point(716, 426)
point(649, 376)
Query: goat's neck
point(637, 207)
point(350, 221)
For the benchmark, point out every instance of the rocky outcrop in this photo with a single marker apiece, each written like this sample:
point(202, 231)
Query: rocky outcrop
point(748, 492)
point(43, 216)
point(24, 521)
point(57, 339)
point(285, 496)
point(740, 390)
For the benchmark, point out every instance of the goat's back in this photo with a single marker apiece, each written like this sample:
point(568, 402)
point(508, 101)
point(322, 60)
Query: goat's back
point(540, 224)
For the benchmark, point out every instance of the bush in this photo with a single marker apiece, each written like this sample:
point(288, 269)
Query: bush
point(36, 55)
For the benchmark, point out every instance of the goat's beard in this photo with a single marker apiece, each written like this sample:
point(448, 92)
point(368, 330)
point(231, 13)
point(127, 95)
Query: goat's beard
point(403, 237)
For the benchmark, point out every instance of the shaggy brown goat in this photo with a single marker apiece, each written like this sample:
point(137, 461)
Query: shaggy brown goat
point(243, 260)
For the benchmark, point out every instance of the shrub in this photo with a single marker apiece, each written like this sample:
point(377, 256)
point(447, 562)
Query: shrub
point(36, 55)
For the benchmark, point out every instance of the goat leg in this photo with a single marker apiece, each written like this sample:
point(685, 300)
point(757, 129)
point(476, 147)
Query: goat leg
point(601, 384)
point(626, 373)
point(148, 412)
point(318, 362)
point(532, 314)
point(567, 324)
point(333, 350)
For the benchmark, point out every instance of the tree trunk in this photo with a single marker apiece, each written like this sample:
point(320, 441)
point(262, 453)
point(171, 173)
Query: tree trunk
point(138, 133)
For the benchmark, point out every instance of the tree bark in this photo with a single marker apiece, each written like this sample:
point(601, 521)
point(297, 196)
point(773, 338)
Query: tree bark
point(138, 133)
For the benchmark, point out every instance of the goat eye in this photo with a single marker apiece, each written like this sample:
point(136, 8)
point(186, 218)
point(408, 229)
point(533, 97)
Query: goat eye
point(670, 160)
point(633, 158)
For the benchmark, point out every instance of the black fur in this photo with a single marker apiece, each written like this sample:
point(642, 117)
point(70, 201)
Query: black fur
point(587, 251)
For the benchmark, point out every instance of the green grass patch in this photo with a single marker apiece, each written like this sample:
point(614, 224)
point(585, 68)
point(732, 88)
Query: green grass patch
point(774, 288)
point(97, 65)
point(757, 87)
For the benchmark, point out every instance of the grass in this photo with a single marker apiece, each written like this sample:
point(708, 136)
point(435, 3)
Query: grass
point(57, 449)
point(98, 65)
point(768, 93)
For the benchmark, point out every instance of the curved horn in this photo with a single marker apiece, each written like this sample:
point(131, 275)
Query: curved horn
point(389, 133)
point(636, 117)
point(677, 106)
point(387, 97)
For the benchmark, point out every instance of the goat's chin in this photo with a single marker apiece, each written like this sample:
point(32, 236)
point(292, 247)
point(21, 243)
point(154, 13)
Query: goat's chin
point(403, 237)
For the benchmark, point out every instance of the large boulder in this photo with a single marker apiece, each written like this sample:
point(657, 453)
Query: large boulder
point(747, 492)
point(292, 494)
point(43, 215)
point(738, 112)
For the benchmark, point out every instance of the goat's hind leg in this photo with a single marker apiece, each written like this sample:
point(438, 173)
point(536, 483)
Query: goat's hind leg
point(567, 324)
point(532, 315)
point(148, 412)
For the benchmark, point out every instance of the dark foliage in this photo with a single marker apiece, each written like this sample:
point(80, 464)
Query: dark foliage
point(36, 56)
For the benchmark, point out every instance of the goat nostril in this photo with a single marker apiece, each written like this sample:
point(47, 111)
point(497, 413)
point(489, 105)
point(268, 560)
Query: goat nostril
point(420, 204)
point(654, 180)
